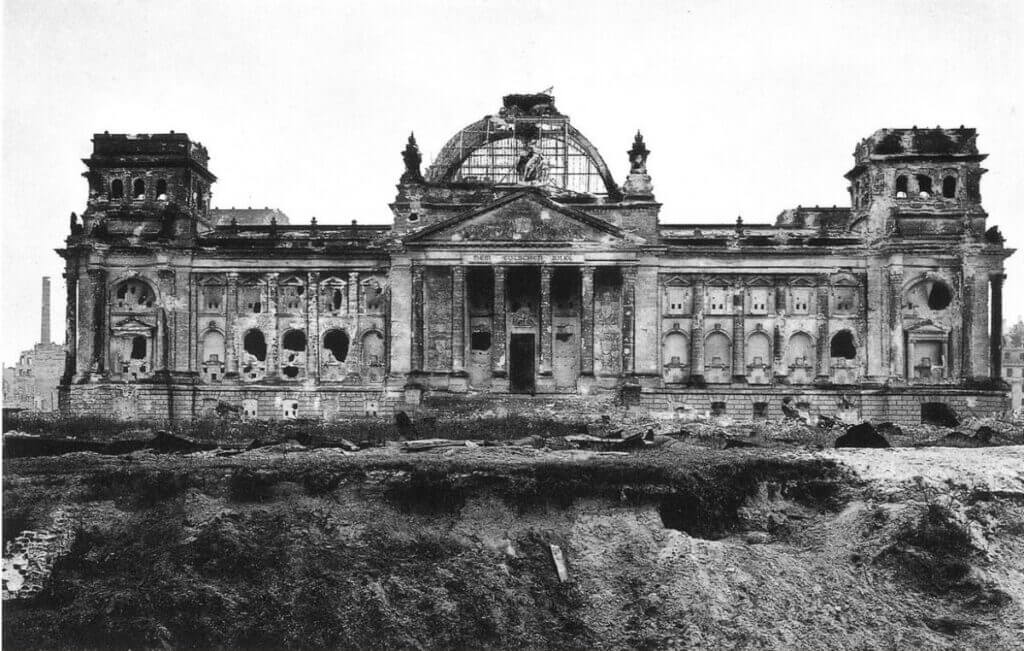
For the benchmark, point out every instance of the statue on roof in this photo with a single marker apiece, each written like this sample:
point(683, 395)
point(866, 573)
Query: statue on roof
point(638, 155)
point(531, 167)
point(412, 158)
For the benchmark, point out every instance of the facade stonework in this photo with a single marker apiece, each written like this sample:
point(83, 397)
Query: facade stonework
point(516, 264)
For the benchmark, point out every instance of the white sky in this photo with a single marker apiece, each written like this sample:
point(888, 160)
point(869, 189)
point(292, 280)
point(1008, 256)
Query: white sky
point(748, 107)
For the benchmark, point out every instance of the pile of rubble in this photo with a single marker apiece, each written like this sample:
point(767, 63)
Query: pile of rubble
point(29, 557)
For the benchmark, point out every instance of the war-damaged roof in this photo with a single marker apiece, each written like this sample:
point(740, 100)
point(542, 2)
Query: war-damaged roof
point(247, 216)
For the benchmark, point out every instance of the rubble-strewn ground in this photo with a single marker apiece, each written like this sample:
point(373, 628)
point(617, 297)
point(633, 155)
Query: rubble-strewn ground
point(682, 545)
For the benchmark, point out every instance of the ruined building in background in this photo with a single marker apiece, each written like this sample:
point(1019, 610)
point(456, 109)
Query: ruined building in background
point(1013, 365)
point(517, 264)
point(31, 385)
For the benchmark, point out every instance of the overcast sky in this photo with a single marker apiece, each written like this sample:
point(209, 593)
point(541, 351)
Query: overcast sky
point(748, 107)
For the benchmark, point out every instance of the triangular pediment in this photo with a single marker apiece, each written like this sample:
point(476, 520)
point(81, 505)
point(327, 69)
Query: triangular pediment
point(132, 327)
point(522, 217)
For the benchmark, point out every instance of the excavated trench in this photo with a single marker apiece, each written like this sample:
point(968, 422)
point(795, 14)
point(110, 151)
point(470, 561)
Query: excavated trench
point(709, 548)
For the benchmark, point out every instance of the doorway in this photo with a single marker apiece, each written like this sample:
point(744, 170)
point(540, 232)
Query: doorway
point(522, 357)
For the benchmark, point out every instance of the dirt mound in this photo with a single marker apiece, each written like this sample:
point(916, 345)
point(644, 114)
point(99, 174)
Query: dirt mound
point(862, 436)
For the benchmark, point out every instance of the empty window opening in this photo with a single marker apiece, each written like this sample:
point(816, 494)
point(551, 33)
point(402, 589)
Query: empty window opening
point(133, 293)
point(117, 189)
point(251, 297)
point(939, 297)
point(414, 217)
point(255, 345)
point(949, 187)
point(760, 410)
point(290, 409)
point(480, 291)
point(717, 408)
point(161, 190)
point(480, 341)
point(563, 334)
point(842, 345)
point(291, 372)
point(924, 185)
point(901, 187)
point(138, 347)
point(336, 341)
point(336, 299)
point(139, 189)
point(294, 340)
point(565, 291)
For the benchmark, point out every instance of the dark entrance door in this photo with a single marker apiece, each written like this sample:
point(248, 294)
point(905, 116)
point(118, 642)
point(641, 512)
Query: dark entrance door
point(521, 363)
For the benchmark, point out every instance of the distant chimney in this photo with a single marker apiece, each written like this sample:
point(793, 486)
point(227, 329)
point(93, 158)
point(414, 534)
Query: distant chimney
point(44, 335)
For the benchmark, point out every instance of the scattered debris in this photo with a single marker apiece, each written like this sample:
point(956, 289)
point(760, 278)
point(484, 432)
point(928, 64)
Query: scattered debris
point(432, 444)
point(559, 559)
point(939, 413)
point(862, 436)
point(406, 428)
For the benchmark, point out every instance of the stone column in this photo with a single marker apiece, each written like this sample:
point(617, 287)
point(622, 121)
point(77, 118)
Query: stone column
point(822, 353)
point(417, 317)
point(313, 325)
point(353, 293)
point(996, 325)
point(458, 318)
point(628, 312)
point(739, 338)
point(546, 327)
point(897, 364)
point(231, 313)
point(587, 320)
point(697, 332)
point(499, 345)
point(273, 346)
point(70, 325)
point(98, 318)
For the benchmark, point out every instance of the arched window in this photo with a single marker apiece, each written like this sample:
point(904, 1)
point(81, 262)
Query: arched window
point(924, 185)
point(139, 189)
point(336, 342)
point(117, 189)
point(940, 296)
point(800, 352)
point(161, 190)
point(133, 294)
point(213, 346)
point(759, 349)
point(255, 344)
point(675, 349)
point(901, 187)
point(949, 187)
point(717, 350)
point(138, 347)
point(842, 345)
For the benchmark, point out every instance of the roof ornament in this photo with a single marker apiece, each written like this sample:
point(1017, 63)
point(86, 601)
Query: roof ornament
point(273, 226)
point(739, 225)
point(412, 158)
point(638, 155)
point(314, 230)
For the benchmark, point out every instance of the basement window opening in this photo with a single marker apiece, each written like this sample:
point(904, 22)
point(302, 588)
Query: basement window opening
point(760, 410)
point(717, 408)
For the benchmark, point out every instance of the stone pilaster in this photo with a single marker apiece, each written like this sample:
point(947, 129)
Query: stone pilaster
point(353, 293)
point(499, 343)
point(897, 365)
point(996, 323)
point(273, 343)
point(313, 346)
point(458, 318)
point(697, 332)
point(417, 317)
point(877, 319)
point(98, 349)
point(628, 321)
point(401, 300)
point(739, 338)
point(546, 328)
point(822, 353)
point(70, 325)
point(231, 314)
point(587, 320)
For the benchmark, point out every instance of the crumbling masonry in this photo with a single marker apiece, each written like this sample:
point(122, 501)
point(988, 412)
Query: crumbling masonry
point(517, 265)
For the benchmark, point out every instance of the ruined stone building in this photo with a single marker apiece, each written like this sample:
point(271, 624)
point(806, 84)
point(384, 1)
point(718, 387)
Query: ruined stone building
point(32, 383)
point(517, 264)
point(1013, 365)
